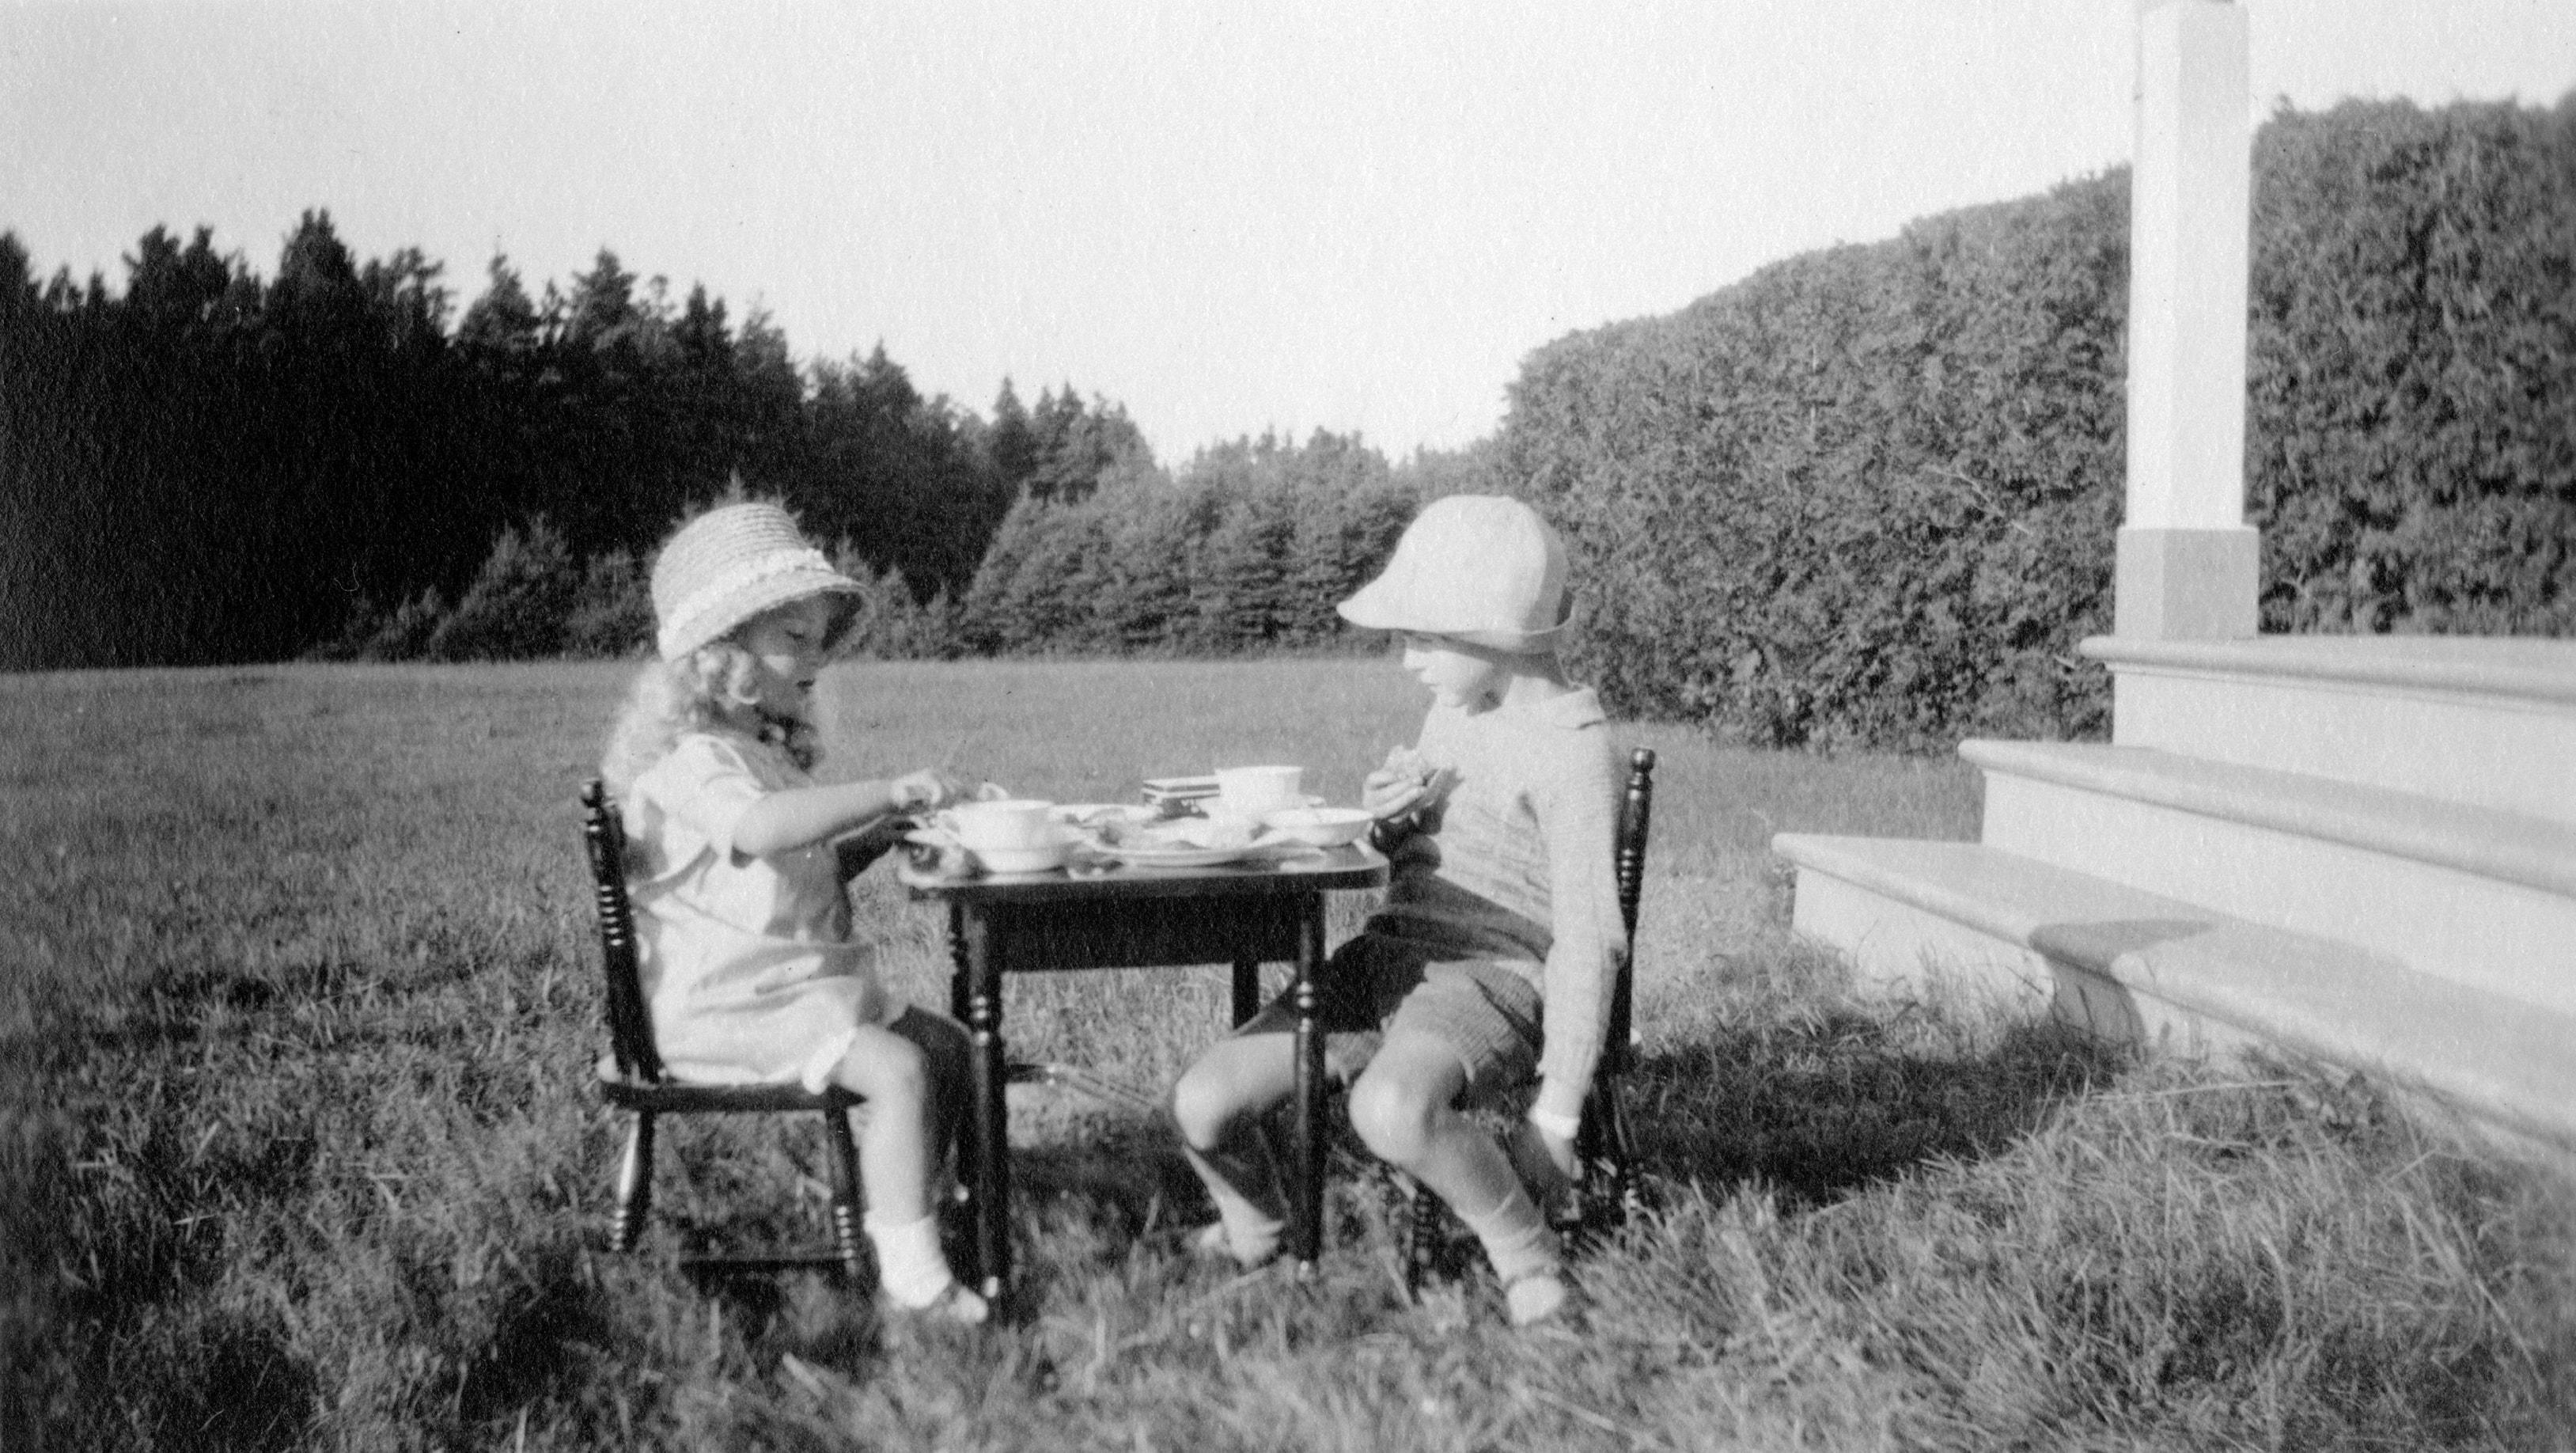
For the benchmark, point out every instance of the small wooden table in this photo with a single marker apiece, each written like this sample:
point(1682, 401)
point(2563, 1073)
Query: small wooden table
point(1245, 914)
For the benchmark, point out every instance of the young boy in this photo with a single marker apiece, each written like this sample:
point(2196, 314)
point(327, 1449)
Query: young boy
point(1492, 962)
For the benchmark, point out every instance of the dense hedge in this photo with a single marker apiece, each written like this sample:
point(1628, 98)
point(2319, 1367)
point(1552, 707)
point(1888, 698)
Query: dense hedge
point(2413, 389)
point(1866, 494)
point(1870, 494)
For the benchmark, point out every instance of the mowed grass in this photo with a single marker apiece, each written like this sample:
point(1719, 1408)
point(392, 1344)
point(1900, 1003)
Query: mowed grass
point(298, 1146)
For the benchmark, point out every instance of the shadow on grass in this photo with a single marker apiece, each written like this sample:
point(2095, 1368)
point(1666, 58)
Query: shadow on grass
point(239, 1386)
point(531, 1347)
point(1124, 1182)
point(1824, 1108)
point(1812, 1111)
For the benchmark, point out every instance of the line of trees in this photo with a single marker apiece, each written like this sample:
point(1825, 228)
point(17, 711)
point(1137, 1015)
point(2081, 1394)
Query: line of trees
point(215, 467)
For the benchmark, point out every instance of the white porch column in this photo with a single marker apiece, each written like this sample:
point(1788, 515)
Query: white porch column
point(2187, 559)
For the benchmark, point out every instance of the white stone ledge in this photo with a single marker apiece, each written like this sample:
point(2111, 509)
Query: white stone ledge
point(2500, 1060)
point(2535, 669)
point(2509, 847)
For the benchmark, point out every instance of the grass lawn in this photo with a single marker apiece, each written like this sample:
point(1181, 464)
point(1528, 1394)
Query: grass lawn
point(298, 1147)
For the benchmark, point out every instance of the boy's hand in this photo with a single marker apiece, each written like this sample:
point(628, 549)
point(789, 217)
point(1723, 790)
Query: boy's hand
point(1407, 781)
point(1390, 792)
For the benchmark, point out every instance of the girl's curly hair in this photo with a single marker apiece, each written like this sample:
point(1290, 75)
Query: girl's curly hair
point(703, 691)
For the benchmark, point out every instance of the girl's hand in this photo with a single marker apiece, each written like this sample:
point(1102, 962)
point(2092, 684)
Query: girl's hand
point(927, 790)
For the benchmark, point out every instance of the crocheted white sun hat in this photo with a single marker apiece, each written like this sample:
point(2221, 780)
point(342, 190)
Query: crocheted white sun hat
point(730, 564)
point(1482, 568)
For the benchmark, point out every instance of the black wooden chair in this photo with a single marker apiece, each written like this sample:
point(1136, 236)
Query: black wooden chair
point(1607, 1190)
point(632, 1079)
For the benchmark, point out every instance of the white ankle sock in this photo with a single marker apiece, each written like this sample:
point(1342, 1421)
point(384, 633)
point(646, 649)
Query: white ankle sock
point(1525, 1256)
point(1251, 1233)
point(909, 1264)
point(1252, 1230)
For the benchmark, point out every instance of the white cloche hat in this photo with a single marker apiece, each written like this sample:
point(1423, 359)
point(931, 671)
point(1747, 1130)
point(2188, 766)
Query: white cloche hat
point(1482, 568)
point(729, 565)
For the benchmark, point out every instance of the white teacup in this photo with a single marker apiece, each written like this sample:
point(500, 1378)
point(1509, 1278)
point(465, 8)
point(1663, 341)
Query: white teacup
point(1252, 791)
point(1011, 824)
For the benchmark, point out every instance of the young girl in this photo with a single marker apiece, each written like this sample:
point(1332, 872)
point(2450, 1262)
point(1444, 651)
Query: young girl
point(742, 922)
point(1493, 960)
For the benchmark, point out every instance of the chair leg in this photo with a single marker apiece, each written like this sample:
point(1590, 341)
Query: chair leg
point(634, 1184)
point(846, 1233)
point(1415, 1215)
point(1611, 1195)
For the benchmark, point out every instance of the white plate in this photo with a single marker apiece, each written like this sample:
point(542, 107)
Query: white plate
point(1170, 847)
point(1216, 807)
point(1093, 814)
point(1270, 846)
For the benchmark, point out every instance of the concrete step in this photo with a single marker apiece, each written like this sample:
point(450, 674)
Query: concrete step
point(2489, 722)
point(2478, 896)
point(2145, 968)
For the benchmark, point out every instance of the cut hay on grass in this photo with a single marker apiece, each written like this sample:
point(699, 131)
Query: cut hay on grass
point(299, 1147)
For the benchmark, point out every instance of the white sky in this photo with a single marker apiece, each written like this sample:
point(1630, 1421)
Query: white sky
point(1226, 216)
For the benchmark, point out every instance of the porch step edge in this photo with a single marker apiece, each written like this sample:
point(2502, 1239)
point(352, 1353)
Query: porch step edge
point(2510, 847)
point(2523, 668)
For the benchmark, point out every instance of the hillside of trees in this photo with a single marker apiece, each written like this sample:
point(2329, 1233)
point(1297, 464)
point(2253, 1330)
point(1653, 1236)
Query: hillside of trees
point(214, 467)
point(1866, 495)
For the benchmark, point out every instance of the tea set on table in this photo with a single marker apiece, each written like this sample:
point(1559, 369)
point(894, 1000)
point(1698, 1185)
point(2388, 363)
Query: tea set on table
point(1237, 814)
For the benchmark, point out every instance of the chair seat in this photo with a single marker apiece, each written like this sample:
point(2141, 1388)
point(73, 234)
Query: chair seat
point(683, 1097)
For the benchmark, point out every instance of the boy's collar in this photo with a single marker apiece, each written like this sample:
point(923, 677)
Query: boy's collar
point(1571, 709)
point(1580, 707)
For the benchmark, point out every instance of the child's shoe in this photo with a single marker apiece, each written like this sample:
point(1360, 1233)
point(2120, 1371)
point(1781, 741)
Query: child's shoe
point(1213, 1243)
point(951, 1303)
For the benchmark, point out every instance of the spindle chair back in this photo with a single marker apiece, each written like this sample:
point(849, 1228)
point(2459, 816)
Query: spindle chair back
point(632, 1078)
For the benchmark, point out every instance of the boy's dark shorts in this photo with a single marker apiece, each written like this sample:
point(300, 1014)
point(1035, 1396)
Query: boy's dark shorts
point(1486, 1011)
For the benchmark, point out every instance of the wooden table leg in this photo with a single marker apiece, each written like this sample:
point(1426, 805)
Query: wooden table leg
point(1306, 1221)
point(1247, 990)
point(971, 946)
point(958, 986)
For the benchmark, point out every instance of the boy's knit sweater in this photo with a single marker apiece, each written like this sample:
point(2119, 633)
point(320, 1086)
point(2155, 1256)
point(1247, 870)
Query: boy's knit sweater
point(1515, 865)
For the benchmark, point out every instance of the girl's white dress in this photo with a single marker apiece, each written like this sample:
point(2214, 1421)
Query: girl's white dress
point(746, 962)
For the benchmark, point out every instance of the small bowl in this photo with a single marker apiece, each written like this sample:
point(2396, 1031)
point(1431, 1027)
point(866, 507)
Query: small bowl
point(1023, 860)
point(1043, 857)
point(1322, 827)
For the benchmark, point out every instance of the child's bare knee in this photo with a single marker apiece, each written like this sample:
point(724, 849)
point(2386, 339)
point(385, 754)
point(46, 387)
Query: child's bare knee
point(1392, 1117)
point(886, 1068)
point(1204, 1107)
